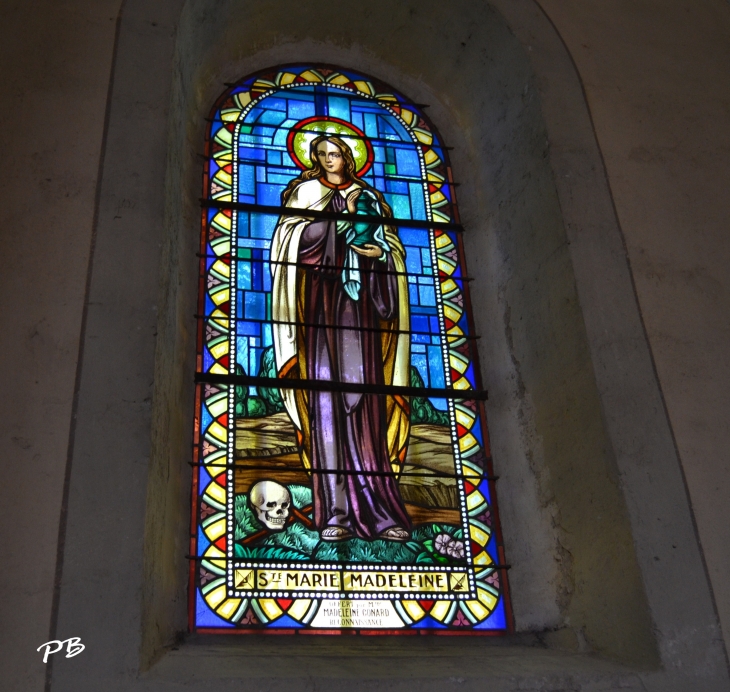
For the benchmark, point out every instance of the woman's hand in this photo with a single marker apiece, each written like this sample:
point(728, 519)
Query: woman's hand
point(352, 200)
point(368, 250)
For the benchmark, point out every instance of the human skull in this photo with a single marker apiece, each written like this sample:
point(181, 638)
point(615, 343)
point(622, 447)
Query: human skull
point(272, 503)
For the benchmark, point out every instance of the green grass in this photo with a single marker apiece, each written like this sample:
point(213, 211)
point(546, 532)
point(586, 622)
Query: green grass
point(297, 542)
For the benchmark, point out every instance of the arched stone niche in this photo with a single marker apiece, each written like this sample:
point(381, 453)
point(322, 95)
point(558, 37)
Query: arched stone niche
point(566, 526)
point(578, 435)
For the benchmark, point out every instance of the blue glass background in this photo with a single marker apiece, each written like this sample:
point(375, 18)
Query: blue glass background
point(265, 168)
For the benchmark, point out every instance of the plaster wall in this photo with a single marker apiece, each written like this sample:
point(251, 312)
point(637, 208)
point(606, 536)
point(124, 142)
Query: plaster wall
point(656, 79)
point(662, 137)
point(56, 59)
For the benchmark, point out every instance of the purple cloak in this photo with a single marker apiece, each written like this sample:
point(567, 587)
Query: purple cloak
point(348, 431)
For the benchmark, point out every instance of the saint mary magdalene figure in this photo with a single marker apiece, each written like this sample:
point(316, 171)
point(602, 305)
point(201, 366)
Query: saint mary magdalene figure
point(340, 301)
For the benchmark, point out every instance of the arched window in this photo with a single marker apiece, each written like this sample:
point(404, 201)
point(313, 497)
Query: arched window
point(342, 473)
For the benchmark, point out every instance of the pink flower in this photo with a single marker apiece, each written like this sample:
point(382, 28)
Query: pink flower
point(455, 549)
point(442, 543)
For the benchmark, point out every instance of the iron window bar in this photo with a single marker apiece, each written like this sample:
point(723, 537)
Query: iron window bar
point(319, 267)
point(344, 472)
point(345, 387)
point(343, 135)
point(338, 567)
point(318, 133)
point(280, 169)
point(324, 87)
point(374, 140)
point(337, 326)
point(329, 215)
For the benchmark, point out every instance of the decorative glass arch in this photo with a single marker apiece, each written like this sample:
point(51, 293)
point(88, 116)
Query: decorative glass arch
point(342, 474)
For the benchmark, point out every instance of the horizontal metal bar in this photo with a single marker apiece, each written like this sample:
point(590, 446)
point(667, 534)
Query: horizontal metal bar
point(334, 386)
point(329, 215)
point(374, 140)
point(335, 267)
point(365, 138)
point(338, 565)
point(456, 337)
point(342, 472)
point(280, 168)
point(329, 87)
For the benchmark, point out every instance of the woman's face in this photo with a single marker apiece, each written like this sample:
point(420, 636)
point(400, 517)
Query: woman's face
point(330, 157)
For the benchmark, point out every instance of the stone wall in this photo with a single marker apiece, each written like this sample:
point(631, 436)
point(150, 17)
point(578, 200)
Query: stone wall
point(604, 353)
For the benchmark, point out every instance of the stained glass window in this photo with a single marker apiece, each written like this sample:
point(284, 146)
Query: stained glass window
point(342, 474)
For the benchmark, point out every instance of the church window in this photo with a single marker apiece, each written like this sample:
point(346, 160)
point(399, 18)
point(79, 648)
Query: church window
point(342, 473)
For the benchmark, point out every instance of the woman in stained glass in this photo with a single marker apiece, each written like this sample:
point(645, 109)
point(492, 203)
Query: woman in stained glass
point(340, 299)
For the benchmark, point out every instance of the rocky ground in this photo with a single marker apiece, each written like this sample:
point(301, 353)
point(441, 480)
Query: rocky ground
point(266, 448)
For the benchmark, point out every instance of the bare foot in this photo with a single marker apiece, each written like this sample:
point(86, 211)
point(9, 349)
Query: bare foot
point(335, 533)
point(395, 533)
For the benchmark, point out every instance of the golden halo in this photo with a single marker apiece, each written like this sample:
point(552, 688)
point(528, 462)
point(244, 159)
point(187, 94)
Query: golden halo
point(301, 135)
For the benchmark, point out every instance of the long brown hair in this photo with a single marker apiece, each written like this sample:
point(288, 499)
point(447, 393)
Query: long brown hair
point(316, 171)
